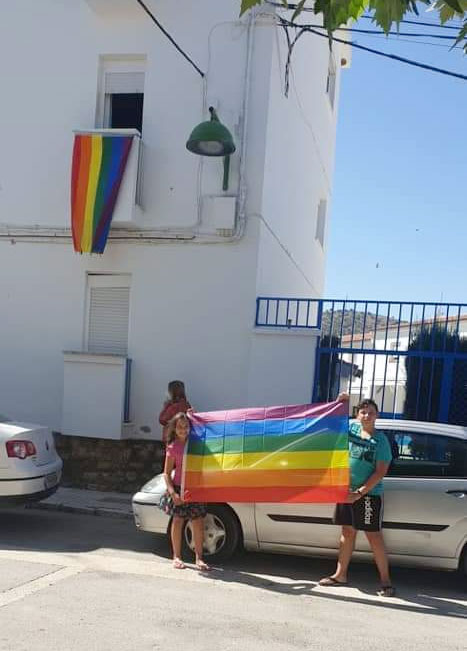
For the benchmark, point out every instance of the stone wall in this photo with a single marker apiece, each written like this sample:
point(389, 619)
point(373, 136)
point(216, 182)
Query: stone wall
point(106, 465)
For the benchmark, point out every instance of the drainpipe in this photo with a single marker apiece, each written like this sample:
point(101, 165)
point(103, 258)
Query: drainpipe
point(242, 196)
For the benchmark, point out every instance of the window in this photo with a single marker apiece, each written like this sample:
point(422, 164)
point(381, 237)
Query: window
point(426, 455)
point(126, 111)
point(107, 313)
point(121, 93)
point(321, 222)
point(331, 80)
point(394, 345)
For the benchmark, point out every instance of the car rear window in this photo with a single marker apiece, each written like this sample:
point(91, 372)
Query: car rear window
point(426, 455)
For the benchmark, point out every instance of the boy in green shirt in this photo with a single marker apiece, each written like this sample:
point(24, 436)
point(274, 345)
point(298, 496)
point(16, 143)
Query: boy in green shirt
point(369, 459)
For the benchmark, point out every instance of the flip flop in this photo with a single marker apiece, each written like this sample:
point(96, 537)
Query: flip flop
point(331, 581)
point(386, 591)
point(203, 567)
point(178, 564)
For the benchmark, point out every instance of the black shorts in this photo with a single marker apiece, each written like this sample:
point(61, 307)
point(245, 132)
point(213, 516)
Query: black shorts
point(366, 514)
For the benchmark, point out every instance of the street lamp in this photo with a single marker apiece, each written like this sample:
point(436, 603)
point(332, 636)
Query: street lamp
point(212, 138)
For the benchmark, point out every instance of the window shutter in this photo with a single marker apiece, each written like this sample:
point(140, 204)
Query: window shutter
point(108, 320)
point(124, 82)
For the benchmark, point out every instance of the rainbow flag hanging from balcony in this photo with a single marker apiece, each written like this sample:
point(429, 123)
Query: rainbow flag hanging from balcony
point(97, 171)
point(274, 454)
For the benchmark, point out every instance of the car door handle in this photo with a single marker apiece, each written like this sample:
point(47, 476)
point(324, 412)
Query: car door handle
point(460, 493)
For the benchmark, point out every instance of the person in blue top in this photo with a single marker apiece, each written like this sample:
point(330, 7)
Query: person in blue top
point(369, 459)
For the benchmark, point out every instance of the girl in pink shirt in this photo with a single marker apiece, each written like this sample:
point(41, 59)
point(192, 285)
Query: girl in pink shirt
point(173, 504)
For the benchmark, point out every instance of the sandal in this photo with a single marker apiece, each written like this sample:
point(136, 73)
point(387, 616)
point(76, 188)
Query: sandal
point(203, 567)
point(386, 591)
point(331, 581)
point(178, 564)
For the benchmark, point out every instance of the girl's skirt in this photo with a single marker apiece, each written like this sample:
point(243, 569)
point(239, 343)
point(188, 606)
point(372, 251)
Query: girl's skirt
point(187, 510)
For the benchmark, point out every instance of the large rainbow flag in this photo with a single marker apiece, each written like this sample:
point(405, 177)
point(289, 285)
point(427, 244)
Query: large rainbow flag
point(295, 453)
point(97, 171)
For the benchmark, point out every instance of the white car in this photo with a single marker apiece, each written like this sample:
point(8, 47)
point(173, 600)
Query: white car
point(425, 508)
point(30, 468)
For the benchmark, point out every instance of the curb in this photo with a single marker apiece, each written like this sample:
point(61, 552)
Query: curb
point(83, 510)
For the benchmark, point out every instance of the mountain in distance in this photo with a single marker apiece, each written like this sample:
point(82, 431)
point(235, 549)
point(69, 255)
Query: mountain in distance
point(353, 320)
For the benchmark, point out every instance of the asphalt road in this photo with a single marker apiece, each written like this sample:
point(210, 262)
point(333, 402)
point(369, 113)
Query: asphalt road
point(71, 581)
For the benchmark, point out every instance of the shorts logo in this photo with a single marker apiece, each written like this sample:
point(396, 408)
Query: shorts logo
point(368, 510)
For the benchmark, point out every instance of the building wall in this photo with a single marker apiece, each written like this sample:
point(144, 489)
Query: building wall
point(186, 322)
point(50, 69)
point(192, 304)
point(299, 166)
point(273, 352)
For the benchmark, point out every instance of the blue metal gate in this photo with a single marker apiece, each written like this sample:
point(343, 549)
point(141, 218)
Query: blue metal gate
point(410, 357)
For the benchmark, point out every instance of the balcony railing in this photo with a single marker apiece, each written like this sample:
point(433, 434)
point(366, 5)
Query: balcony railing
point(275, 312)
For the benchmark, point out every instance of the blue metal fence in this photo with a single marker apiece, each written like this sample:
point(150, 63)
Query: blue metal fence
point(410, 357)
point(279, 312)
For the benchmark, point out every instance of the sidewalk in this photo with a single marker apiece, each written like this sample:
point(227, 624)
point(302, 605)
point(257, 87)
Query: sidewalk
point(78, 500)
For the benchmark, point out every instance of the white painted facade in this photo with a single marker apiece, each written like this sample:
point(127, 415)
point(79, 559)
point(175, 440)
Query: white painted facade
point(193, 275)
point(384, 376)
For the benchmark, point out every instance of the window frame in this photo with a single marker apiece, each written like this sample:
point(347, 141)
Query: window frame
point(396, 346)
point(101, 280)
point(134, 64)
point(426, 435)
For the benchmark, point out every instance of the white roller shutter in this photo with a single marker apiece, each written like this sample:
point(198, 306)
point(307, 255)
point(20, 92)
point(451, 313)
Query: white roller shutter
point(108, 314)
point(123, 82)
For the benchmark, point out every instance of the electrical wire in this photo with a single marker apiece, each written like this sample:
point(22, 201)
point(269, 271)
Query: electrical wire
point(286, 251)
point(167, 35)
point(421, 23)
point(378, 32)
point(395, 57)
point(289, 75)
point(388, 35)
point(292, 7)
point(414, 41)
point(309, 124)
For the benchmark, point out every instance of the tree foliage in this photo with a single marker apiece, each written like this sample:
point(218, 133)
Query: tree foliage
point(327, 376)
point(386, 13)
point(425, 376)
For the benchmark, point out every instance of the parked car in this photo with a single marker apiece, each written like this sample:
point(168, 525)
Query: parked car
point(425, 511)
point(30, 468)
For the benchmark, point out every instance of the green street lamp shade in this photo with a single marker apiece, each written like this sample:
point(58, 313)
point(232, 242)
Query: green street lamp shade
point(211, 138)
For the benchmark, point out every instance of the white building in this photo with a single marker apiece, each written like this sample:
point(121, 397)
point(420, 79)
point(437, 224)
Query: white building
point(175, 289)
point(383, 375)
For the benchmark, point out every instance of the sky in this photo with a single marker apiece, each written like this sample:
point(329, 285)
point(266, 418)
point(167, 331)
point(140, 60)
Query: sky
point(398, 224)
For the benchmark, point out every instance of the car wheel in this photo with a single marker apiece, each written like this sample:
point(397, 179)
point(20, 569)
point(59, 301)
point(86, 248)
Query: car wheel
point(221, 534)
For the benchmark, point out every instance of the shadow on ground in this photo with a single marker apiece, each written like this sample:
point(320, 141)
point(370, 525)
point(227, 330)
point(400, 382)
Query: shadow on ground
point(43, 530)
point(418, 591)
